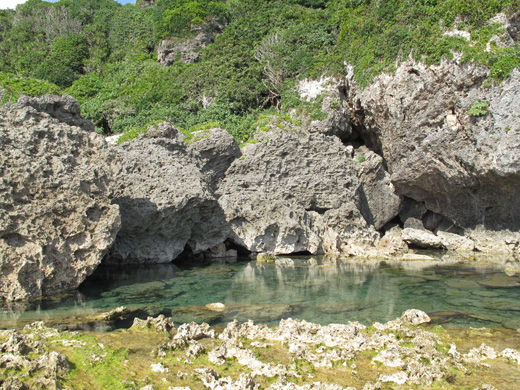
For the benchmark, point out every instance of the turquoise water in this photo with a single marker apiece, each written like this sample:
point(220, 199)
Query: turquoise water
point(317, 289)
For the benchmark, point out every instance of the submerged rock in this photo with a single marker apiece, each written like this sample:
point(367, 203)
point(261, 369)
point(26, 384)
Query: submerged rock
point(56, 220)
point(500, 280)
point(216, 312)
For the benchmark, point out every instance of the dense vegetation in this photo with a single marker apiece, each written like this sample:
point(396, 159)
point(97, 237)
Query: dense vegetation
point(104, 54)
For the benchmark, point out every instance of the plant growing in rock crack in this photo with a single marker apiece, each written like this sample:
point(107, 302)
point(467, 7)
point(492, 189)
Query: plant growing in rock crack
point(479, 109)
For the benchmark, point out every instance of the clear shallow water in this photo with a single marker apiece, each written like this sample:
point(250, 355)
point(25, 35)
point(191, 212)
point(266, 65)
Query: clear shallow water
point(317, 289)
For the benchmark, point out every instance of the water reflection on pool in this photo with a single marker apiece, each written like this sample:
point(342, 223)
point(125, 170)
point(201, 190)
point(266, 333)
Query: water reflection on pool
point(318, 289)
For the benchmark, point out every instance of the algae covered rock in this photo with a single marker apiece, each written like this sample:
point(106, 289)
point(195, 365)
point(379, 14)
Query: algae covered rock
point(56, 220)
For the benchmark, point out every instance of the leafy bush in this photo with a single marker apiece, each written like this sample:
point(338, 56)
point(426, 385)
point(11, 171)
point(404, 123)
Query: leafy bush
point(479, 109)
point(64, 63)
point(104, 53)
point(374, 37)
point(14, 86)
point(176, 17)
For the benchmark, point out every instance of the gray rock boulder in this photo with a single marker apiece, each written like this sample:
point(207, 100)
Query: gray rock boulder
point(297, 191)
point(421, 238)
point(213, 151)
point(164, 200)
point(425, 239)
point(64, 109)
point(460, 165)
point(56, 220)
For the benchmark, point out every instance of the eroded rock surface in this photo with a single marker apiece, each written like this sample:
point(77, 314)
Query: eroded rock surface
point(213, 151)
point(463, 167)
point(164, 200)
point(299, 191)
point(56, 220)
point(329, 94)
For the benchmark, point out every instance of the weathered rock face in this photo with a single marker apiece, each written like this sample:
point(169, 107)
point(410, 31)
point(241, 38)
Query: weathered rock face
point(56, 221)
point(378, 201)
point(164, 200)
point(333, 106)
point(297, 192)
point(463, 167)
point(147, 3)
point(188, 49)
point(213, 151)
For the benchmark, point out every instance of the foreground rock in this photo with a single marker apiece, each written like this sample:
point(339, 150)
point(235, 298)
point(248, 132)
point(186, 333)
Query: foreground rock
point(22, 353)
point(56, 220)
point(294, 355)
point(164, 199)
point(295, 191)
point(462, 165)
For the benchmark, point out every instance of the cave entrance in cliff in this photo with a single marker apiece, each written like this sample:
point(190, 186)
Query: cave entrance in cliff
point(301, 253)
point(242, 251)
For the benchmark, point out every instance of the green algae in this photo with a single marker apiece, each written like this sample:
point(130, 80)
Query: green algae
point(123, 359)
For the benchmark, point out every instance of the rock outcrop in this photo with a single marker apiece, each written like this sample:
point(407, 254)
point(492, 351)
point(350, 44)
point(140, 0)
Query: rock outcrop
point(56, 220)
point(462, 165)
point(213, 151)
point(298, 191)
point(188, 50)
point(164, 200)
point(329, 94)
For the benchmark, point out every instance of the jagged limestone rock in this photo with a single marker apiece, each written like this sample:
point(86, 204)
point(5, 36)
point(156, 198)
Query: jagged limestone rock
point(463, 166)
point(336, 117)
point(164, 200)
point(213, 151)
point(56, 220)
point(296, 191)
point(378, 200)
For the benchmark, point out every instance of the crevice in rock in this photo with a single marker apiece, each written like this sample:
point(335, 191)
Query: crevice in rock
point(106, 127)
point(364, 136)
point(319, 210)
point(301, 253)
point(390, 224)
point(436, 222)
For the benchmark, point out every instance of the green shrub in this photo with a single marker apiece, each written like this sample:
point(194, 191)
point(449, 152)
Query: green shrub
point(361, 159)
point(135, 132)
point(15, 86)
point(478, 109)
point(65, 61)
